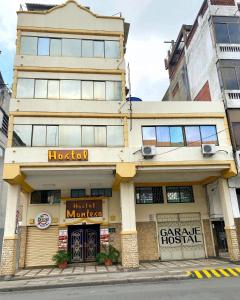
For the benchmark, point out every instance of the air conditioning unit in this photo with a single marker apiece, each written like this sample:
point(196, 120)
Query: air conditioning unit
point(148, 151)
point(208, 150)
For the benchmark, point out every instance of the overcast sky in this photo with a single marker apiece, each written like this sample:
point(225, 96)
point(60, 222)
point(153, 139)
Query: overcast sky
point(152, 23)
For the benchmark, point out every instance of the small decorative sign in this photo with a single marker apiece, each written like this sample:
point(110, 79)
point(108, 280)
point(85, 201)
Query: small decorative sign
point(43, 220)
point(84, 209)
point(63, 239)
point(104, 236)
point(67, 155)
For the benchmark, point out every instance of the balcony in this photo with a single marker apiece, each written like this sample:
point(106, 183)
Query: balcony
point(228, 51)
point(232, 98)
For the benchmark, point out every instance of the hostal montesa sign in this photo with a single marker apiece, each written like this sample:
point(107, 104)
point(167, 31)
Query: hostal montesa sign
point(84, 209)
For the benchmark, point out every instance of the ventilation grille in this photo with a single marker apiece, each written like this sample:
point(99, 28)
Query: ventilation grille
point(229, 48)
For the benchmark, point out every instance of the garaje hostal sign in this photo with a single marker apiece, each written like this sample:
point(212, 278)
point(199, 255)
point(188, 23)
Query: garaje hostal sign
point(67, 155)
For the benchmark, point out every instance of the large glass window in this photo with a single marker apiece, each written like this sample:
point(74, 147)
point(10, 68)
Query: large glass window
point(87, 90)
point(234, 32)
point(70, 89)
point(39, 135)
point(41, 88)
point(98, 48)
point(222, 36)
point(69, 136)
point(115, 135)
point(53, 89)
point(46, 197)
point(100, 136)
point(182, 194)
point(25, 88)
point(149, 135)
point(163, 136)
point(228, 32)
point(193, 137)
point(22, 135)
point(52, 136)
point(99, 90)
point(87, 136)
point(105, 192)
point(71, 47)
point(113, 90)
point(29, 45)
point(56, 47)
point(149, 195)
point(87, 48)
point(209, 134)
point(43, 46)
point(112, 49)
point(229, 77)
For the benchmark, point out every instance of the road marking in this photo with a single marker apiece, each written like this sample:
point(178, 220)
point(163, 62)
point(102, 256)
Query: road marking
point(224, 272)
point(198, 274)
point(215, 273)
point(234, 273)
point(238, 269)
point(207, 273)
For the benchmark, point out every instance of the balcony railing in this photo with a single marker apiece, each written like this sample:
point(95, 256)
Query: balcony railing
point(232, 98)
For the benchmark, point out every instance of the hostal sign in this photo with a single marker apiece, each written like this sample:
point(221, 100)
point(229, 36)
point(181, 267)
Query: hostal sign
point(84, 209)
point(67, 155)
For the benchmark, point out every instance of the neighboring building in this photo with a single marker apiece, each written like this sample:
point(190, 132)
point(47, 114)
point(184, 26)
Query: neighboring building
point(77, 173)
point(4, 106)
point(204, 65)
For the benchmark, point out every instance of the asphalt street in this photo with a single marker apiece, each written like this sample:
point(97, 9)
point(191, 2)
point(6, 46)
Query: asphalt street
point(207, 289)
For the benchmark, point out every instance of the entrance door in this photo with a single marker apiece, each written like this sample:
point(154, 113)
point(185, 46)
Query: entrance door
point(220, 237)
point(84, 242)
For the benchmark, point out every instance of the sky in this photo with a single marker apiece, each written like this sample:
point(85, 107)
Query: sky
point(152, 23)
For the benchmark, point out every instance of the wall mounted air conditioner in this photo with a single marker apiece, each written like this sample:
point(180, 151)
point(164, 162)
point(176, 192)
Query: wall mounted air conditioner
point(148, 151)
point(208, 150)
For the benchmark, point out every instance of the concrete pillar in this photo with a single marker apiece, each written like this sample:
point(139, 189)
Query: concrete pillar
point(8, 262)
point(230, 228)
point(129, 242)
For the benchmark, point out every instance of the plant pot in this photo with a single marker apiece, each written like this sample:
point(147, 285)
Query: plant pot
point(63, 265)
point(108, 262)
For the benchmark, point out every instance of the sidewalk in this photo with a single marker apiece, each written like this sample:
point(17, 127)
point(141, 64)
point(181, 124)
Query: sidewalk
point(31, 279)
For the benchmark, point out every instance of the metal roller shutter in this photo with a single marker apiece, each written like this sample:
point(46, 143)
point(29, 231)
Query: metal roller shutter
point(180, 236)
point(41, 246)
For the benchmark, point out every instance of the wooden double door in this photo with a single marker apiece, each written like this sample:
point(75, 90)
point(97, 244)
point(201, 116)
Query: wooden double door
point(83, 243)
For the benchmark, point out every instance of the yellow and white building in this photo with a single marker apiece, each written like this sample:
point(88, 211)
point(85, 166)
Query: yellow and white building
point(78, 175)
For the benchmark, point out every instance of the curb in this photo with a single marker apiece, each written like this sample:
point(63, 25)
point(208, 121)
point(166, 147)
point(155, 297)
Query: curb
point(97, 283)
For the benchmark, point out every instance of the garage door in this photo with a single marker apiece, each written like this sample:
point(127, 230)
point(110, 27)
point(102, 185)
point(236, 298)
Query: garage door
point(180, 236)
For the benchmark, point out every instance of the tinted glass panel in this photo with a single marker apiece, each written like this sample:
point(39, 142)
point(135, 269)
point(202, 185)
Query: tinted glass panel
point(100, 136)
point(53, 89)
point(70, 89)
point(115, 136)
point(176, 135)
point(113, 90)
point(39, 136)
point(209, 135)
point(87, 135)
point(186, 194)
point(149, 136)
point(222, 33)
point(77, 193)
point(173, 194)
point(99, 90)
point(149, 195)
point(52, 135)
point(43, 46)
point(112, 49)
point(234, 32)
point(22, 135)
point(87, 48)
point(70, 136)
point(48, 197)
point(87, 90)
point(229, 79)
point(25, 88)
point(163, 136)
point(56, 47)
point(193, 137)
point(98, 47)
point(71, 47)
point(236, 133)
point(40, 88)
point(29, 45)
point(183, 194)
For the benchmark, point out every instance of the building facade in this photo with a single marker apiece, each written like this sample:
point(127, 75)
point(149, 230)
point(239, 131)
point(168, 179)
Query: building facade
point(84, 171)
point(4, 106)
point(203, 65)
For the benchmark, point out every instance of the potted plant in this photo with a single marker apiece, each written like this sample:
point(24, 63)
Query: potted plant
point(61, 259)
point(108, 257)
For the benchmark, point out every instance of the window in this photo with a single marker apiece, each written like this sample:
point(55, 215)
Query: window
point(236, 134)
point(87, 48)
point(149, 135)
point(193, 137)
point(87, 90)
point(41, 88)
point(209, 135)
point(99, 90)
point(46, 197)
point(71, 47)
point(70, 89)
point(149, 195)
point(101, 192)
point(229, 78)
point(112, 49)
point(39, 135)
point(22, 135)
point(113, 90)
point(53, 89)
point(238, 198)
point(43, 46)
point(100, 136)
point(70, 136)
point(25, 88)
point(55, 47)
point(29, 45)
point(227, 30)
point(169, 136)
point(52, 136)
point(87, 135)
point(78, 193)
point(222, 33)
point(115, 136)
point(98, 48)
point(182, 194)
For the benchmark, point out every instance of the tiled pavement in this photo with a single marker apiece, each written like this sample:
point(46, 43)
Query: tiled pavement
point(158, 266)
